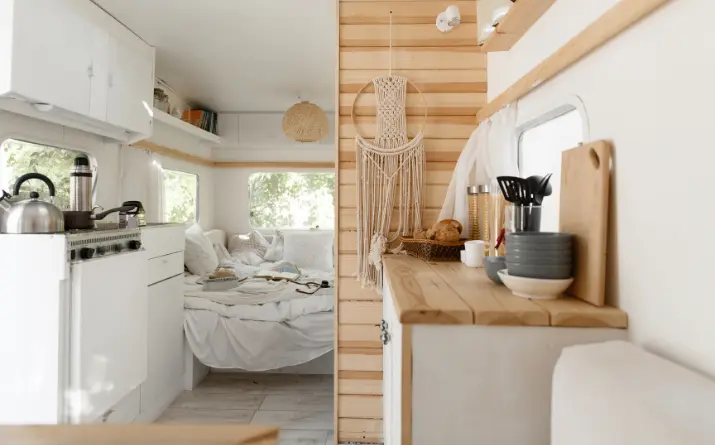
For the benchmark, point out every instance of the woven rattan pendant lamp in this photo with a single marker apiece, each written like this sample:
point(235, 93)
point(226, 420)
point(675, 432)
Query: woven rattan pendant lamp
point(305, 122)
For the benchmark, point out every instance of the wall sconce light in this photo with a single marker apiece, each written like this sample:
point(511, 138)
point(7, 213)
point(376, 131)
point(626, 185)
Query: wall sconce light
point(448, 19)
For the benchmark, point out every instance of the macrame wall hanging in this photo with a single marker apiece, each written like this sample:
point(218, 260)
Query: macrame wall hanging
point(390, 170)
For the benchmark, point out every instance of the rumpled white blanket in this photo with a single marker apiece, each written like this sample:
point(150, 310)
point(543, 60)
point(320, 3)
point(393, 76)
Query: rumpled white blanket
point(261, 325)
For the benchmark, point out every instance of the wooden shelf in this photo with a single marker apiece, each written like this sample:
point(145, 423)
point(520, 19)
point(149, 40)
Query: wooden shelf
point(185, 127)
point(514, 25)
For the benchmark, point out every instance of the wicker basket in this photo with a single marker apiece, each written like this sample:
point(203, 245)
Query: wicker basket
point(430, 250)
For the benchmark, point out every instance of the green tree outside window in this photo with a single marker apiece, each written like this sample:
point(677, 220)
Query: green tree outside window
point(181, 196)
point(19, 157)
point(284, 200)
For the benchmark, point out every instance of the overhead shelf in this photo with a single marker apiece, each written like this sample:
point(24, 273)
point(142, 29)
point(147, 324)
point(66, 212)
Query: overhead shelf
point(514, 25)
point(185, 127)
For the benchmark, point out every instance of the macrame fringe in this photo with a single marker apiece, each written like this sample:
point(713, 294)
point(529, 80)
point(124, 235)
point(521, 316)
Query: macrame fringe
point(389, 168)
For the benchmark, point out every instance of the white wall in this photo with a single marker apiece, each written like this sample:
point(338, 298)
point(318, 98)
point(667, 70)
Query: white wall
point(253, 137)
point(124, 173)
point(650, 91)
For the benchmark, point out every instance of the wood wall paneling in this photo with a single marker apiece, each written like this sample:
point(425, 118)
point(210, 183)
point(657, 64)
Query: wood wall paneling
point(450, 70)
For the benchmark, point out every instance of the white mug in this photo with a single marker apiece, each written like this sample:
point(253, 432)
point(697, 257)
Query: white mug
point(474, 253)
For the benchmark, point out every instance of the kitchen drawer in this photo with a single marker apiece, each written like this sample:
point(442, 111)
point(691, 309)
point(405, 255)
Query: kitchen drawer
point(164, 267)
point(125, 411)
point(163, 240)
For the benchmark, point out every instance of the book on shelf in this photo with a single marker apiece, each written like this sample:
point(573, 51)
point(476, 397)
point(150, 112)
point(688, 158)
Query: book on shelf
point(204, 119)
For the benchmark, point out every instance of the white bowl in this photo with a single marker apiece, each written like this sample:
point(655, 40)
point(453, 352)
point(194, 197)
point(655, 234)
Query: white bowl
point(533, 288)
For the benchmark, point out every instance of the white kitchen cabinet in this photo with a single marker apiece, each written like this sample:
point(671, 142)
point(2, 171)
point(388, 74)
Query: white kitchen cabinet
point(463, 373)
point(88, 69)
point(131, 89)
point(165, 247)
point(165, 345)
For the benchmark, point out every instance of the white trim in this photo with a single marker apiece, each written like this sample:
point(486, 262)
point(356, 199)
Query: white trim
point(526, 121)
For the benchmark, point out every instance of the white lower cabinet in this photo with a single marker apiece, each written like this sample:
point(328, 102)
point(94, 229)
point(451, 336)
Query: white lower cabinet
point(166, 340)
point(470, 384)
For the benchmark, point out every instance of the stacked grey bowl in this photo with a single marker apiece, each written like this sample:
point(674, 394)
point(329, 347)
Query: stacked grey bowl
point(542, 255)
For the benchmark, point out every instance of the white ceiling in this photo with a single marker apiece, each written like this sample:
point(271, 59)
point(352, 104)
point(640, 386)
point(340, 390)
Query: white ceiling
point(239, 55)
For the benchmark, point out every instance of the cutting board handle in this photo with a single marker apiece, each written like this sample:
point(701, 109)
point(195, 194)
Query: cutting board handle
point(595, 159)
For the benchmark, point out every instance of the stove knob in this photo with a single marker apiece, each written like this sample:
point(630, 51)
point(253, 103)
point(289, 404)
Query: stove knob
point(73, 255)
point(86, 253)
point(117, 248)
point(101, 250)
point(134, 245)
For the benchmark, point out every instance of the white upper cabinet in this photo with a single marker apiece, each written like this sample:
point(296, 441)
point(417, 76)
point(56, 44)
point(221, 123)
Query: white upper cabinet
point(94, 73)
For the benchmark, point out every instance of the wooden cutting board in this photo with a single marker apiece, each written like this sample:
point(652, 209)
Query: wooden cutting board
point(585, 176)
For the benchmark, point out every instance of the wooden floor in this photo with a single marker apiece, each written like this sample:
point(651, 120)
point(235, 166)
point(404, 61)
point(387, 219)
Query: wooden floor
point(301, 405)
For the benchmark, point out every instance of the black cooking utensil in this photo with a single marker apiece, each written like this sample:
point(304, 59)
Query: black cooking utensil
point(512, 188)
point(542, 189)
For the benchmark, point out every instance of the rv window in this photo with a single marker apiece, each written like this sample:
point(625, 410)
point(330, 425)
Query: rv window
point(291, 200)
point(181, 196)
point(540, 150)
point(19, 157)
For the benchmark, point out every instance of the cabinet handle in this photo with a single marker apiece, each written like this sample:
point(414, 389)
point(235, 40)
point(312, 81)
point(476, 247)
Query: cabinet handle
point(106, 415)
point(90, 71)
point(383, 325)
point(385, 338)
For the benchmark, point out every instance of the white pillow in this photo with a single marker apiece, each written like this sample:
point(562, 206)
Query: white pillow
point(222, 254)
point(309, 249)
point(199, 254)
point(275, 252)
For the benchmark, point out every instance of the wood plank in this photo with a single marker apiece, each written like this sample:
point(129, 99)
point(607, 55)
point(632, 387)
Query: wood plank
point(416, 58)
point(348, 220)
point(359, 359)
point(360, 407)
point(436, 150)
point(438, 173)
point(571, 312)
point(173, 153)
point(356, 385)
point(407, 35)
point(433, 196)
point(406, 385)
point(361, 312)
point(520, 18)
point(274, 164)
point(359, 336)
point(359, 425)
point(616, 20)
point(491, 304)
point(438, 104)
point(350, 289)
point(143, 434)
point(350, 437)
point(403, 13)
point(435, 127)
point(426, 81)
point(421, 296)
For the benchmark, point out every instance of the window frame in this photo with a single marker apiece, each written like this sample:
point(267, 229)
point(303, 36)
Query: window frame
point(269, 230)
point(93, 164)
point(573, 103)
point(198, 195)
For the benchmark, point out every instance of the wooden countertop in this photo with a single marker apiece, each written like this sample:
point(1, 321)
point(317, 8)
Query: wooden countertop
point(452, 293)
point(139, 435)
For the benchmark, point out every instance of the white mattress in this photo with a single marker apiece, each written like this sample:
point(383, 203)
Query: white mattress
point(288, 329)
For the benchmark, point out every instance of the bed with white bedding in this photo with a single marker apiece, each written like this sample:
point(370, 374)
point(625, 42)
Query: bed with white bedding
point(261, 325)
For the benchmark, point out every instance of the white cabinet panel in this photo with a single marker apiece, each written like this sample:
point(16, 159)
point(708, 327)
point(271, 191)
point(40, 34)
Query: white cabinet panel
point(52, 50)
point(131, 83)
point(165, 346)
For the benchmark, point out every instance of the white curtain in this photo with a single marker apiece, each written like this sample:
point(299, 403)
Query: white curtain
point(490, 152)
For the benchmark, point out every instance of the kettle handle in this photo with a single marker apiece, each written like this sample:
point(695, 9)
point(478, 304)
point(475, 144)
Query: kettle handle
point(28, 176)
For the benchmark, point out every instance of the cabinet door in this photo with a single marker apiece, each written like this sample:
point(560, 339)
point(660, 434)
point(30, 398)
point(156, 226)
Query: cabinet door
point(165, 344)
point(131, 82)
point(52, 47)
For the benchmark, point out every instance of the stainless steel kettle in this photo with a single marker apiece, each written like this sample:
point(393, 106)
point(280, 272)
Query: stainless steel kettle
point(31, 215)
